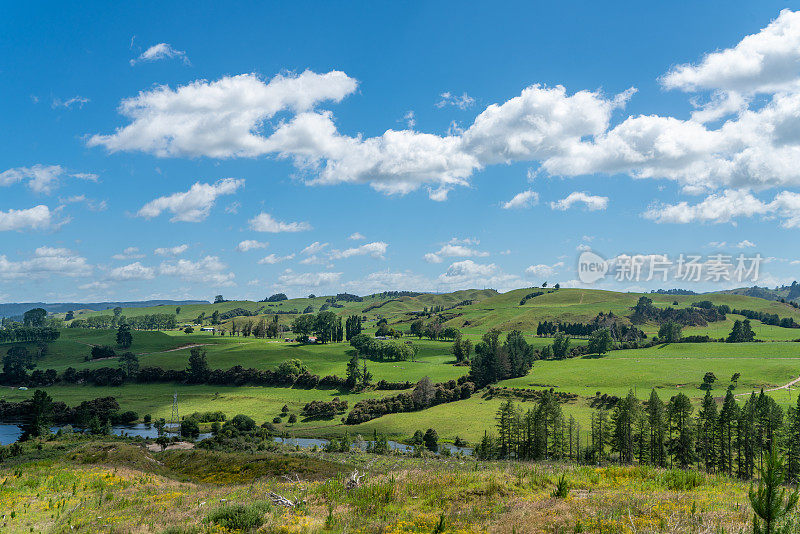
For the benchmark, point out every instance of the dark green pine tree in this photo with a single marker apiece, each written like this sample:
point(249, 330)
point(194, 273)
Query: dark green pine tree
point(793, 444)
point(658, 433)
point(681, 444)
point(706, 431)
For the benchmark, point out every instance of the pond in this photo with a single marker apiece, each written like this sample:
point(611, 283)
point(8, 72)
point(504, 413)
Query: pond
point(10, 432)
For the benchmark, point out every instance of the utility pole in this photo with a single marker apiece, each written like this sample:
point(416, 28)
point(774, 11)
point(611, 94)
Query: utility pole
point(174, 418)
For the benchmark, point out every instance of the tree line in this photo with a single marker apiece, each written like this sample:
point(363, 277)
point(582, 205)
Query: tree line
point(731, 439)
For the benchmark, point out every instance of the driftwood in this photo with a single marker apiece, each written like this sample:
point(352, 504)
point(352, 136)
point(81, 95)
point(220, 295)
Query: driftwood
point(280, 500)
point(354, 480)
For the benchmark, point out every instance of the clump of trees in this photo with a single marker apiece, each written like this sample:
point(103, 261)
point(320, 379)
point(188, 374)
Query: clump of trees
point(326, 325)
point(495, 361)
point(324, 409)
point(369, 347)
point(424, 395)
point(741, 332)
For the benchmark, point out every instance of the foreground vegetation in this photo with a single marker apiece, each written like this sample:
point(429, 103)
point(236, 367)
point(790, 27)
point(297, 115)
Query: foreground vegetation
point(77, 485)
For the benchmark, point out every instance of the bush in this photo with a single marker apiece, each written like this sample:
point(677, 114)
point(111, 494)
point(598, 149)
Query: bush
point(292, 419)
point(190, 428)
point(103, 351)
point(237, 517)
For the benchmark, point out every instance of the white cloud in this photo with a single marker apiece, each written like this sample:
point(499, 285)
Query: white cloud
point(375, 249)
point(543, 270)
point(130, 253)
point(91, 204)
point(591, 202)
point(272, 259)
point(77, 100)
point(525, 199)
point(94, 286)
point(461, 102)
point(208, 270)
point(35, 218)
point(467, 273)
point(264, 222)
point(389, 280)
point(468, 270)
point(45, 262)
point(193, 205)
point(745, 244)
point(250, 244)
point(160, 51)
point(451, 250)
point(312, 260)
point(218, 119)
point(314, 248)
point(290, 278)
point(177, 250)
point(714, 209)
point(755, 146)
point(356, 236)
point(41, 178)
point(718, 244)
point(765, 62)
point(133, 271)
point(464, 241)
point(583, 247)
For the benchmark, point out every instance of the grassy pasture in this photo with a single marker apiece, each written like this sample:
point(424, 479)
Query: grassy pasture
point(668, 368)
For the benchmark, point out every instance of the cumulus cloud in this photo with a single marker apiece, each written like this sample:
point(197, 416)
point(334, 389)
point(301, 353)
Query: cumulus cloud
point(35, 218)
point(455, 250)
point(591, 202)
point(41, 178)
point(715, 208)
point(525, 199)
point(356, 236)
point(467, 273)
point(193, 205)
point(209, 270)
point(219, 119)
point(45, 262)
point(177, 250)
point(160, 51)
point(543, 270)
point(765, 62)
point(250, 244)
point(133, 271)
point(744, 132)
point(375, 249)
point(264, 222)
point(130, 253)
point(290, 278)
point(272, 259)
point(728, 206)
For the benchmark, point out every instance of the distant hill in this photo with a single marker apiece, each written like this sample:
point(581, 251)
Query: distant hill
point(18, 308)
point(791, 292)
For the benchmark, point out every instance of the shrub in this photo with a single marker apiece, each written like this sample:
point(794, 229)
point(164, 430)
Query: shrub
point(237, 517)
point(562, 488)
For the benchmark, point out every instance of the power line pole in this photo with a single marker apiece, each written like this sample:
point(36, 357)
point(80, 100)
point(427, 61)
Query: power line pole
point(174, 418)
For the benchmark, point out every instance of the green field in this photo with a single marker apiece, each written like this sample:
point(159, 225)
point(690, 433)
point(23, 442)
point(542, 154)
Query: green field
point(668, 368)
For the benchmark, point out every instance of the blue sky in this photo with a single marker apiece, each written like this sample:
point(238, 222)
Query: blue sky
point(157, 151)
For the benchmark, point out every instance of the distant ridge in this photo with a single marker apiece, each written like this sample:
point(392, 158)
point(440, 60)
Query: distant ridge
point(18, 308)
